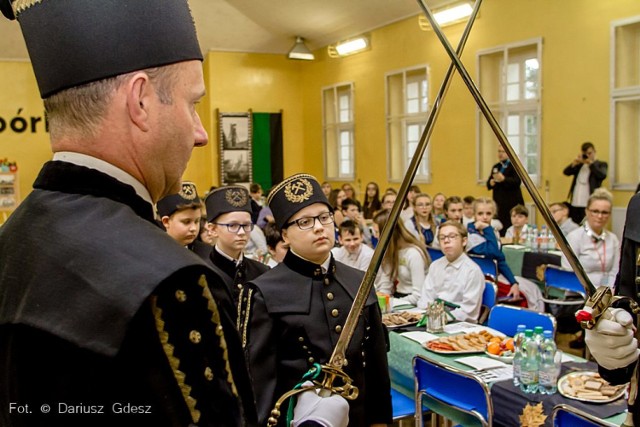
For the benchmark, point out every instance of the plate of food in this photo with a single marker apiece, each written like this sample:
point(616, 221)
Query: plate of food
point(500, 349)
point(588, 386)
point(401, 319)
point(474, 342)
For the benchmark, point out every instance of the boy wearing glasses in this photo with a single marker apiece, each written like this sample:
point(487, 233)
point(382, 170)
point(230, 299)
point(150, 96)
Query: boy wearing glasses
point(300, 306)
point(454, 277)
point(229, 216)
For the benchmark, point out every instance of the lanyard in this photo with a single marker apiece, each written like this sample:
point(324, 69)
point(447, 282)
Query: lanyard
point(603, 258)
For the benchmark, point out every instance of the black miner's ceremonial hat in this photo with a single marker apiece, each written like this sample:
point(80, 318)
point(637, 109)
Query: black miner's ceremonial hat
point(293, 194)
point(74, 42)
point(232, 198)
point(188, 196)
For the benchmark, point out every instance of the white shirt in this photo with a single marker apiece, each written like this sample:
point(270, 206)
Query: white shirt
point(580, 195)
point(460, 282)
point(523, 233)
point(595, 255)
point(412, 270)
point(359, 260)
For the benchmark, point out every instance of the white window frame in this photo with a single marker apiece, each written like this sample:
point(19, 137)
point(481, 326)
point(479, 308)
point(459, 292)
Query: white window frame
point(621, 94)
point(404, 119)
point(502, 108)
point(334, 151)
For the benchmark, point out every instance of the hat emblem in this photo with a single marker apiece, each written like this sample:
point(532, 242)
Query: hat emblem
point(298, 191)
point(236, 197)
point(188, 191)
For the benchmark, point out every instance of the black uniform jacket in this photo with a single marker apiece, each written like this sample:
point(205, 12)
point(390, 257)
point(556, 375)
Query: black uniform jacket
point(297, 314)
point(506, 194)
point(626, 286)
point(108, 320)
point(597, 174)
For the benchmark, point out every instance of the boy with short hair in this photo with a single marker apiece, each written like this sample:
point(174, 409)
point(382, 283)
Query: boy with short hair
point(351, 211)
point(467, 209)
point(180, 214)
point(276, 246)
point(454, 277)
point(560, 212)
point(299, 309)
point(229, 216)
point(352, 250)
point(519, 228)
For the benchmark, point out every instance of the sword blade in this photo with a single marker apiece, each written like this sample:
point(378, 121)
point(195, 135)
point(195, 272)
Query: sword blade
point(338, 357)
point(504, 142)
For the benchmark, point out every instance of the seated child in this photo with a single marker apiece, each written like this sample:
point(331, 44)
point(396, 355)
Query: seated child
point(275, 245)
point(517, 233)
point(352, 250)
point(454, 277)
point(560, 212)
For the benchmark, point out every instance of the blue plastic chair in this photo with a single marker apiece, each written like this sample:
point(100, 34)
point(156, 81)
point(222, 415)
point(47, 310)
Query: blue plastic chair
point(441, 386)
point(567, 416)
point(434, 253)
point(488, 266)
point(489, 299)
point(566, 280)
point(403, 406)
point(506, 318)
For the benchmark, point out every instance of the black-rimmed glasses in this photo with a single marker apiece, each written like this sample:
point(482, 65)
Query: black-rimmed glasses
point(445, 237)
point(235, 227)
point(307, 222)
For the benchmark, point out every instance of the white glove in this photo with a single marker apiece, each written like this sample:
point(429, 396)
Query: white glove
point(611, 341)
point(332, 411)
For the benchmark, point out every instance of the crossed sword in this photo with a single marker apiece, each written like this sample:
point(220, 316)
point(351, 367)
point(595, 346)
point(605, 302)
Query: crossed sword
point(334, 380)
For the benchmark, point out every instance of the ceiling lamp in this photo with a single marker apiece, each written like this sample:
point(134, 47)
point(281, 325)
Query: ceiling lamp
point(349, 47)
point(300, 51)
point(449, 15)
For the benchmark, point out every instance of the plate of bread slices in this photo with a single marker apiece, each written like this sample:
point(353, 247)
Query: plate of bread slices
point(589, 387)
point(473, 342)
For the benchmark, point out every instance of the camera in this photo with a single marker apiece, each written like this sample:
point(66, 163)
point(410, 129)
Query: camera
point(585, 157)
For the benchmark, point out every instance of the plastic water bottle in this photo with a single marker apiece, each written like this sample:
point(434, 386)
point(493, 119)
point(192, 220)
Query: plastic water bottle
point(551, 245)
point(544, 238)
point(533, 238)
point(530, 363)
point(538, 335)
point(518, 340)
point(548, 374)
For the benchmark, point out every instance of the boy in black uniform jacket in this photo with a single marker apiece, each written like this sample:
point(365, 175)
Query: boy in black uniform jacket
point(299, 307)
point(229, 214)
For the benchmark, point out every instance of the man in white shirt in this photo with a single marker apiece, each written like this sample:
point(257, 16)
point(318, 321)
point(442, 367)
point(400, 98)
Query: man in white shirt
point(455, 277)
point(588, 174)
point(352, 251)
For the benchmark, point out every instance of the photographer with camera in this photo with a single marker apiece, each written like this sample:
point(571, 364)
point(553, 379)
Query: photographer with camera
point(588, 174)
point(505, 184)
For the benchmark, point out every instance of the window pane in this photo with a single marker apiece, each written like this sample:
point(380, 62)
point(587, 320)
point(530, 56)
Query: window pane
point(627, 141)
point(413, 106)
point(627, 55)
point(513, 73)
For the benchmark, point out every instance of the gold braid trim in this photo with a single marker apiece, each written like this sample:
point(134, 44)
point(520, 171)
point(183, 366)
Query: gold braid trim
point(20, 6)
point(245, 325)
point(215, 318)
point(174, 362)
point(239, 310)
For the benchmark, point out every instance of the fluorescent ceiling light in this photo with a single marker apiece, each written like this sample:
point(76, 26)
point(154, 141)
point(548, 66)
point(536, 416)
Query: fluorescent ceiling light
point(300, 51)
point(352, 46)
point(453, 14)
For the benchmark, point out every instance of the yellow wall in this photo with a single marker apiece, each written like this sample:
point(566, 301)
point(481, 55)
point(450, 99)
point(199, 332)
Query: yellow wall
point(575, 79)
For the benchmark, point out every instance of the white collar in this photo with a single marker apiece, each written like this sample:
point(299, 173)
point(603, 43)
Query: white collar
point(104, 167)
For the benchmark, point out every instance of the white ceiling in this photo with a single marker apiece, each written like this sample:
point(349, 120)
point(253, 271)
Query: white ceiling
point(268, 26)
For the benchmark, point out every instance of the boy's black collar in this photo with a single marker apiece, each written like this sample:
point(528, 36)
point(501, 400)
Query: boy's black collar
point(306, 268)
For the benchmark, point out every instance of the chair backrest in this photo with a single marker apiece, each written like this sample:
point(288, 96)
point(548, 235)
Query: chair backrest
point(567, 416)
point(489, 299)
point(441, 386)
point(556, 277)
point(506, 318)
point(488, 266)
point(434, 253)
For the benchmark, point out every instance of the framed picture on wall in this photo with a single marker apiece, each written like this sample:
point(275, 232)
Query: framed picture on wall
point(235, 131)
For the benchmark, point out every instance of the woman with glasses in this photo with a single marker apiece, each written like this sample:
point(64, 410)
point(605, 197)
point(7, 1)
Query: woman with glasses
point(229, 216)
point(299, 308)
point(422, 224)
point(597, 249)
point(404, 266)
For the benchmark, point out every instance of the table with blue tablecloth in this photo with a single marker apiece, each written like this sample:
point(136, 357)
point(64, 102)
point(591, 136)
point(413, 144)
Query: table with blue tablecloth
point(508, 402)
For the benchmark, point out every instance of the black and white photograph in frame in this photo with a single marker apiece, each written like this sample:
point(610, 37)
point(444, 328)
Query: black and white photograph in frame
point(236, 167)
point(235, 131)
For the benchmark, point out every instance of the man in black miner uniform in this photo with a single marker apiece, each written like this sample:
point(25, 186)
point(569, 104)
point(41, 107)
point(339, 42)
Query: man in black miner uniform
point(612, 342)
point(104, 319)
point(229, 214)
point(300, 306)
point(505, 183)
